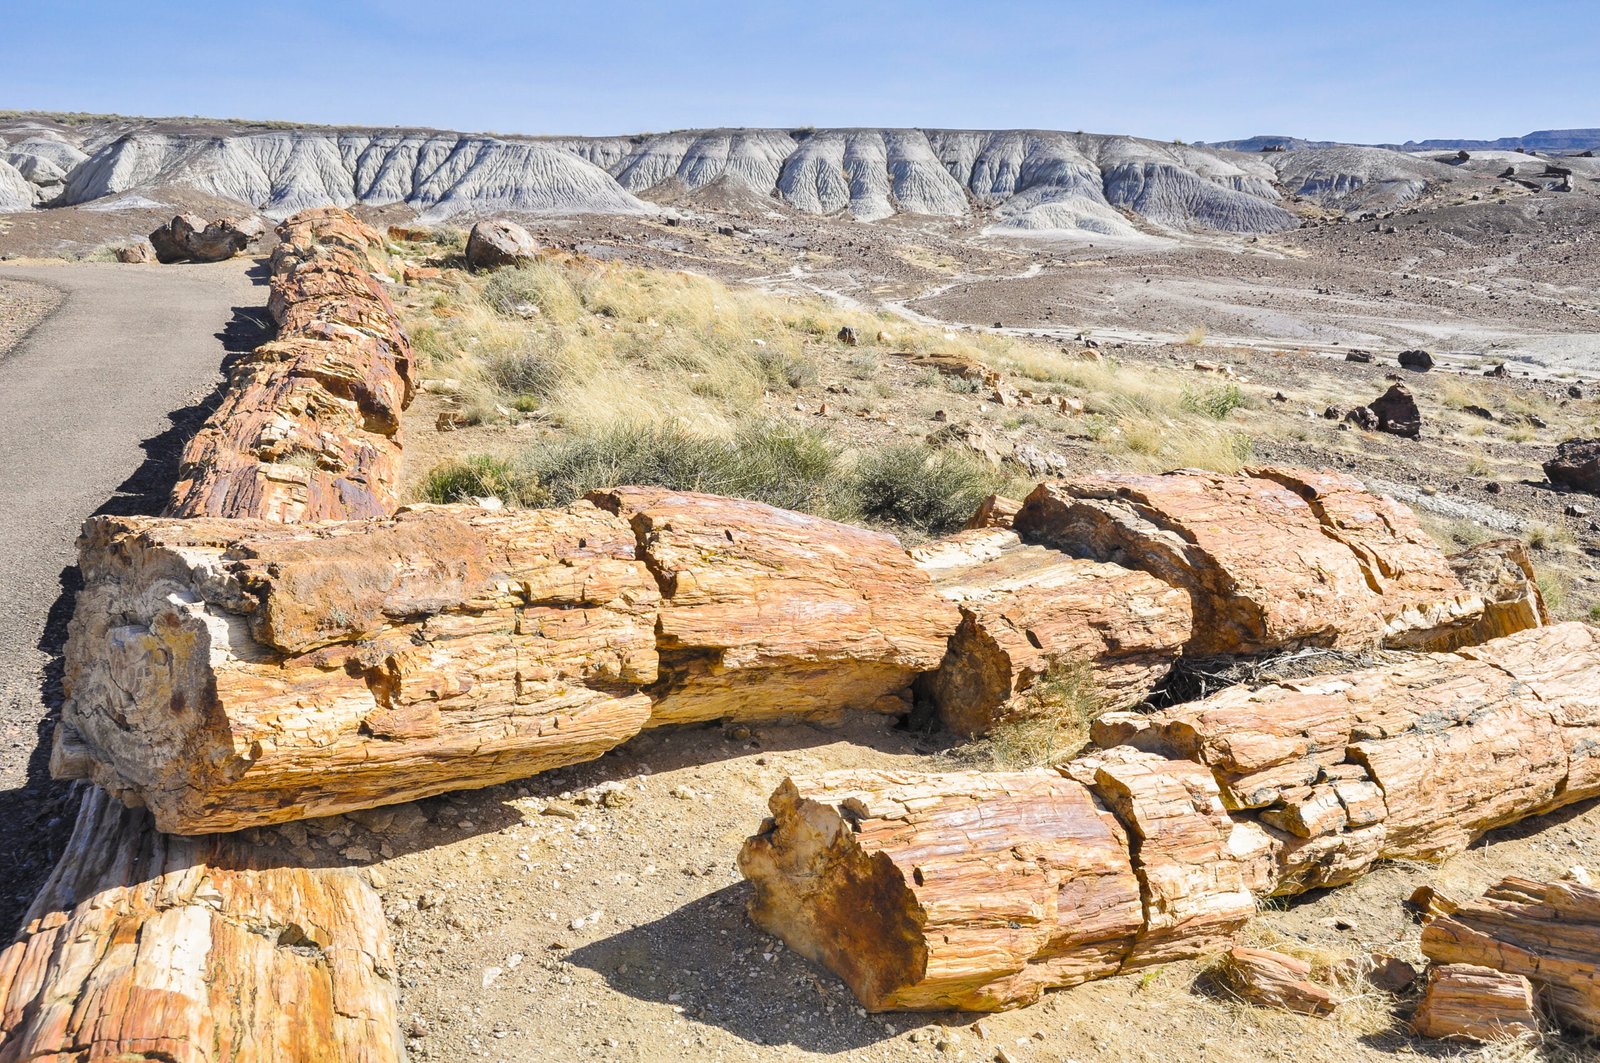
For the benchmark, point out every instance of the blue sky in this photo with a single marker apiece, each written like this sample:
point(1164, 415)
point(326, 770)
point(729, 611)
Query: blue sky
point(1357, 70)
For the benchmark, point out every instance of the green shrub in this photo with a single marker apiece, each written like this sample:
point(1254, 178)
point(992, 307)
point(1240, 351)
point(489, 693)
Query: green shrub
point(483, 475)
point(934, 491)
point(768, 461)
point(1217, 403)
point(785, 370)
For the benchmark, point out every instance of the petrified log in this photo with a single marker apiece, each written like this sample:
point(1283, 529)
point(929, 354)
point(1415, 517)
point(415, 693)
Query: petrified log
point(768, 613)
point(1546, 932)
point(996, 511)
point(237, 673)
point(195, 950)
point(1414, 759)
point(1273, 980)
point(1463, 1000)
point(309, 426)
point(1241, 796)
point(1275, 559)
point(1026, 609)
point(981, 890)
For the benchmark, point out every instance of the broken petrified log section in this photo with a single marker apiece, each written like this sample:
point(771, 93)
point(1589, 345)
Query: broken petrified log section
point(1273, 980)
point(1465, 1001)
point(309, 428)
point(195, 950)
point(1122, 576)
point(1546, 932)
point(238, 673)
point(1241, 796)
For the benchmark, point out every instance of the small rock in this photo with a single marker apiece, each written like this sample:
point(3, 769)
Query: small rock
point(1358, 356)
point(848, 337)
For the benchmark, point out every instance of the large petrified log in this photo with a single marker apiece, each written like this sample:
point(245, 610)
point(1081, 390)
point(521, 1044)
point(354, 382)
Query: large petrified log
point(309, 425)
point(1275, 559)
point(1464, 1000)
point(768, 613)
point(144, 946)
point(237, 673)
point(982, 890)
point(1026, 609)
point(1547, 932)
point(1243, 795)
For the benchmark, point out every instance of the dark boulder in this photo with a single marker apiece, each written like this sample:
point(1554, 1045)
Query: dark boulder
point(1394, 412)
point(1576, 466)
point(1417, 361)
point(493, 244)
point(1358, 356)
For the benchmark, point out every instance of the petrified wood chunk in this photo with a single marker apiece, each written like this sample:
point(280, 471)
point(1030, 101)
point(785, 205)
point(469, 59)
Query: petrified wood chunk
point(769, 613)
point(1500, 573)
point(1274, 980)
point(968, 890)
point(1026, 609)
point(1279, 558)
point(981, 890)
point(1546, 932)
point(1463, 1000)
point(195, 950)
point(237, 673)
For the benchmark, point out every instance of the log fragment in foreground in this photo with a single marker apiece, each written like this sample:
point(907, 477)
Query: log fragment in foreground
point(1547, 932)
point(930, 891)
point(143, 946)
point(238, 673)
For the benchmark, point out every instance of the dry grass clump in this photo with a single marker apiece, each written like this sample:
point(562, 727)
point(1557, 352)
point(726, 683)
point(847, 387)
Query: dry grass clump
point(1050, 721)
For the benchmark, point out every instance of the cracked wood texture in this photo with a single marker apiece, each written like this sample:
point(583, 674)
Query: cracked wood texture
point(229, 674)
point(909, 885)
point(1026, 609)
point(143, 946)
point(309, 424)
point(1465, 1001)
point(1275, 559)
point(979, 891)
point(1415, 759)
point(769, 613)
point(1546, 932)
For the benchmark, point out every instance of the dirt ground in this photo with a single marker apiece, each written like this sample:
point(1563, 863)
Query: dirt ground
point(596, 912)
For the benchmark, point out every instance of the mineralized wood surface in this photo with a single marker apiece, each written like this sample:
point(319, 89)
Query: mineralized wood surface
point(1463, 1000)
point(236, 673)
point(1500, 573)
point(309, 424)
point(1275, 559)
point(1547, 932)
point(1026, 609)
point(981, 890)
point(965, 890)
point(1410, 760)
point(1273, 980)
point(144, 946)
point(769, 613)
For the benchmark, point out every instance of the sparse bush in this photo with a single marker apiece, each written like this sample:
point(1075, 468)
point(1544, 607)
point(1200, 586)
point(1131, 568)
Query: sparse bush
point(768, 461)
point(1217, 403)
point(934, 491)
point(524, 372)
point(1051, 719)
point(481, 476)
point(1195, 337)
point(784, 369)
point(961, 385)
point(539, 285)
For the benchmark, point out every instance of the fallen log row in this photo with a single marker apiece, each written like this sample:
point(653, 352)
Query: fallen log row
point(1546, 932)
point(1242, 564)
point(1274, 559)
point(978, 892)
point(238, 673)
point(309, 424)
point(195, 950)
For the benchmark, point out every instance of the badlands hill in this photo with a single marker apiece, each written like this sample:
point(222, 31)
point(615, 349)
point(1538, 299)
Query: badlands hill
point(1011, 179)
